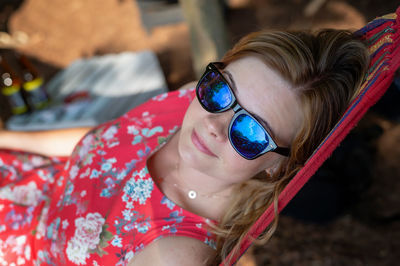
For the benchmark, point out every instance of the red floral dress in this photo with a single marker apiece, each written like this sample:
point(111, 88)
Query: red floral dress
point(99, 206)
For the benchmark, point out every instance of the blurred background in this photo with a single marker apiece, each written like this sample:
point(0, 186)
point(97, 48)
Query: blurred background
point(348, 214)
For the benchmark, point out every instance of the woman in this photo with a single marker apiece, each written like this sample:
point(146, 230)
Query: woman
point(178, 181)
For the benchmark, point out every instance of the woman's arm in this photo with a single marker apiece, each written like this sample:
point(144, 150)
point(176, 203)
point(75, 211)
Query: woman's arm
point(177, 250)
point(50, 143)
point(58, 142)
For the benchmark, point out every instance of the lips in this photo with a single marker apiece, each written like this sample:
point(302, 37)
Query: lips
point(199, 144)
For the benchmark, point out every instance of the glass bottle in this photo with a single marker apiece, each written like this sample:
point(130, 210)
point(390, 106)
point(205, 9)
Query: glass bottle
point(11, 89)
point(36, 96)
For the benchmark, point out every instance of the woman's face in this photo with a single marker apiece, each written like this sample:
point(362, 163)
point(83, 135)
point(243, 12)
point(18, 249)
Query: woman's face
point(203, 141)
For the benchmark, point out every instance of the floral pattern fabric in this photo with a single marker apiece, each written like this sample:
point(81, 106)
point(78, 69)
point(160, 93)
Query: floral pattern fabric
point(99, 206)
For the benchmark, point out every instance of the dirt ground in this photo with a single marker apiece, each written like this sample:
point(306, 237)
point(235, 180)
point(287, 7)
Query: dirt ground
point(359, 224)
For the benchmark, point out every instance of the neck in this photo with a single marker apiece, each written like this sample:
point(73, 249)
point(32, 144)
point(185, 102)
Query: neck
point(192, 190)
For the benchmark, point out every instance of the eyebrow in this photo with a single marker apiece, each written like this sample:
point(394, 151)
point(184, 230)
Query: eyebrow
point(232, 84)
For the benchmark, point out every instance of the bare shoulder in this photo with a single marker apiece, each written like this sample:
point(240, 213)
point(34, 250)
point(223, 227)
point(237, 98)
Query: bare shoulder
point(175, 250)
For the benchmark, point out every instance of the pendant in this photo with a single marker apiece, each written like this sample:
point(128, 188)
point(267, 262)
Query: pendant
point(192, 194)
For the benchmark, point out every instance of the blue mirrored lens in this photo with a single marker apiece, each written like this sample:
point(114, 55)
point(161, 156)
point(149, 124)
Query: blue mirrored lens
point(248, 137)
point(213, 92)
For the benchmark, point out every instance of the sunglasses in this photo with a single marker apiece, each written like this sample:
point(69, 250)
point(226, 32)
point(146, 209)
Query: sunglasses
point(247, 136)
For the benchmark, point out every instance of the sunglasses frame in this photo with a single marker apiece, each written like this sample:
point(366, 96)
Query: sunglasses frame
point(239, 110)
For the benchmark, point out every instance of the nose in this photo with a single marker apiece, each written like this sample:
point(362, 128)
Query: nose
point(217, 124)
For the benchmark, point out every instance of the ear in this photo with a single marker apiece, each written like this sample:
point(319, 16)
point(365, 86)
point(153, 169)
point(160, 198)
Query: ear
point(269, 171)
point(276, 166)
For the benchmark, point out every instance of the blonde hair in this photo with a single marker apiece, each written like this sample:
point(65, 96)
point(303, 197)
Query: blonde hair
point(326, 69)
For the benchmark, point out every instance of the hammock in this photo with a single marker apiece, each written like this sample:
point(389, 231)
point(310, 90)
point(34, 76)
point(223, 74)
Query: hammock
point(382, 36)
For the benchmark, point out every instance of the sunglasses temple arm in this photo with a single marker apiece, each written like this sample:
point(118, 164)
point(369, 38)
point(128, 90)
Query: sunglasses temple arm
point(282, 151)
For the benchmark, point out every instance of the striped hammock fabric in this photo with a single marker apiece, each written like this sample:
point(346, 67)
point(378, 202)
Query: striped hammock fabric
point(382, 36)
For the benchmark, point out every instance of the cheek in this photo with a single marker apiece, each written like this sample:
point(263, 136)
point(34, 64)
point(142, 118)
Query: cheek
point(193, 113)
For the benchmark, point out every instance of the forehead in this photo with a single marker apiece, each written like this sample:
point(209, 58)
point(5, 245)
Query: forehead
point(262, 91)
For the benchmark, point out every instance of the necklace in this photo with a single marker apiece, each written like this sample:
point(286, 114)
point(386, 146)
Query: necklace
point(191, 193)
